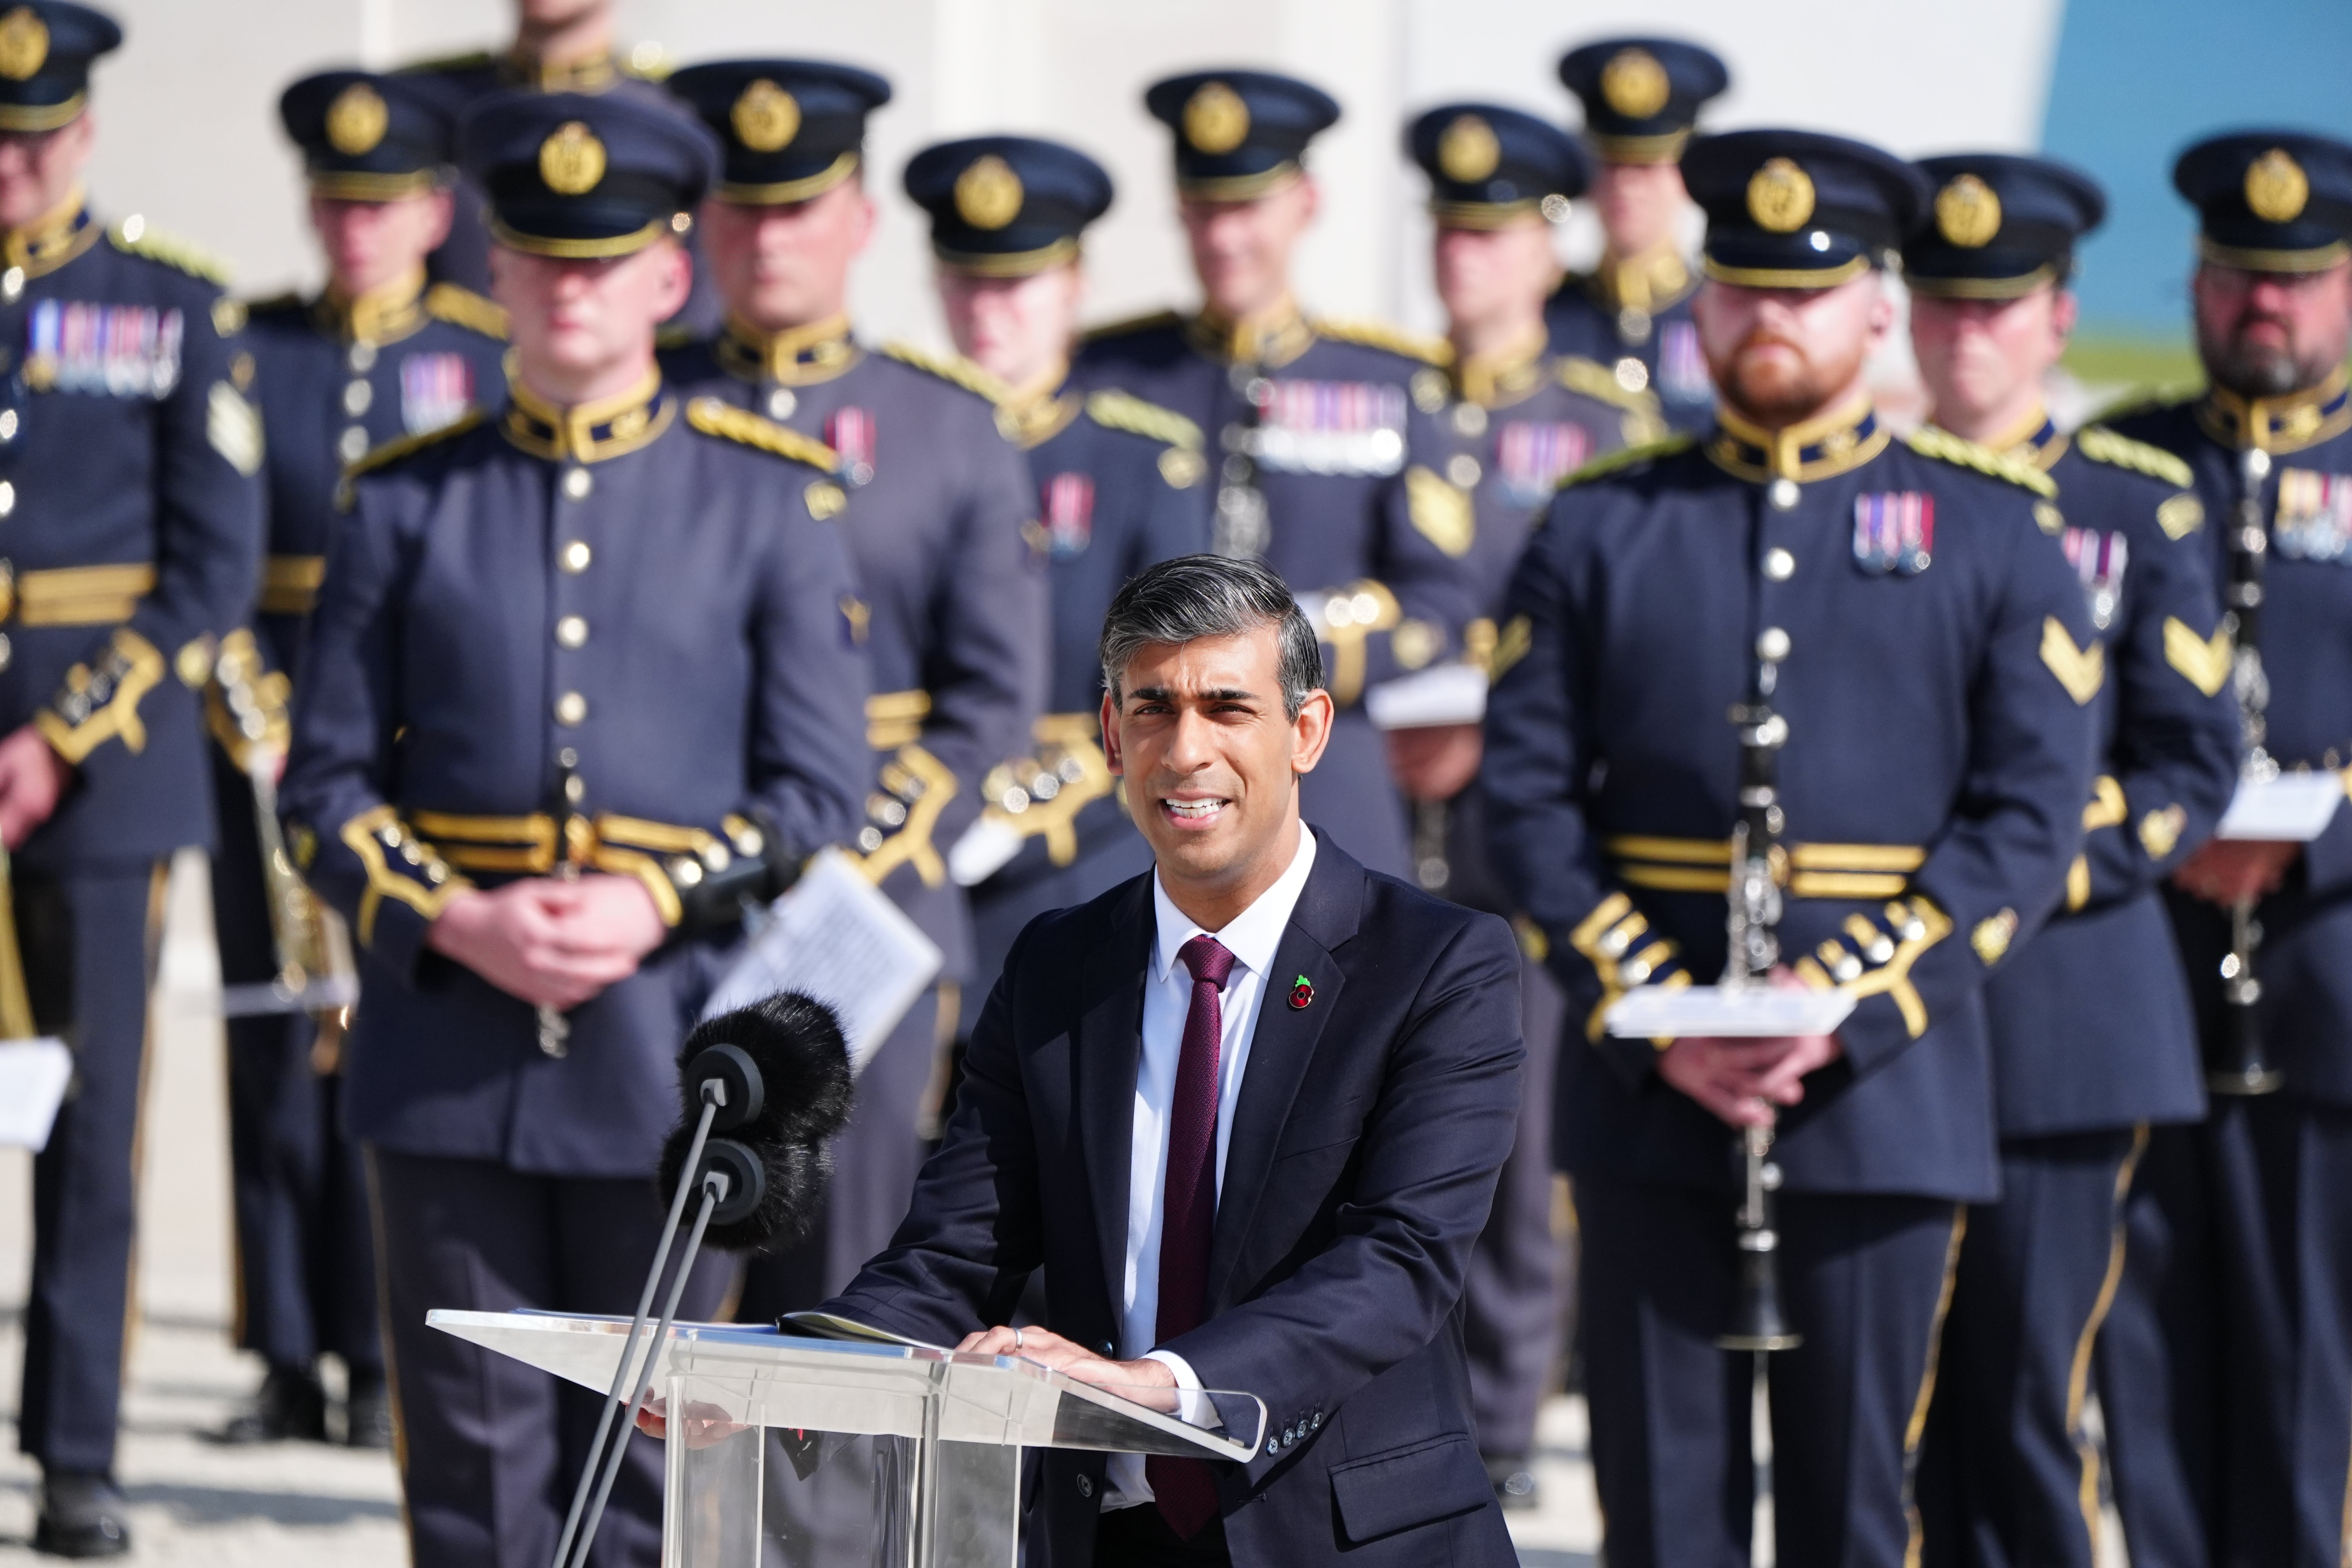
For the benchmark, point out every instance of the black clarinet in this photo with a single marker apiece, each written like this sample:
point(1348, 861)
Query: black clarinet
point(1754, 947)
point(1242, 528)
point(554, 1023)
point(2246, 1070)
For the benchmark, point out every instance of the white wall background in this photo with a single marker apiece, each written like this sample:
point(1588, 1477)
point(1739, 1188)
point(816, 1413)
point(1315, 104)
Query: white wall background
point(189, 131)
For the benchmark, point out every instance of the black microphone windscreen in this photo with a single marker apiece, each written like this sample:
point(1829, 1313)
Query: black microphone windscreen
point(806, 1092)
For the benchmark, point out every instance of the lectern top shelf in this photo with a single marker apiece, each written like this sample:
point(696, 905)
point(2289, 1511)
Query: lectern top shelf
point(761, 1377)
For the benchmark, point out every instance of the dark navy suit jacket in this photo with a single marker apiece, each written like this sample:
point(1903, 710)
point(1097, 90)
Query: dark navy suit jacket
point(1361, 1168)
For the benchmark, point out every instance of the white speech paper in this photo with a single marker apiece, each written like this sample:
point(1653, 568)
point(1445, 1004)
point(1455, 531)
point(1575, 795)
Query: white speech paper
point(837, 938)
point(1653, 1013)
point(33, 1079)
point(2292, 808)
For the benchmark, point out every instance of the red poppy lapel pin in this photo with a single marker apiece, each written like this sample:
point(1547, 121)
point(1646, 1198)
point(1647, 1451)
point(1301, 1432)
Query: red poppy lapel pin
point(1302, 993)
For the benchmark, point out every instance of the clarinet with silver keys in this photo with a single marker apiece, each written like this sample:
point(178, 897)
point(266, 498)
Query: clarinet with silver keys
point(2246, 1069)
point(1754, 948)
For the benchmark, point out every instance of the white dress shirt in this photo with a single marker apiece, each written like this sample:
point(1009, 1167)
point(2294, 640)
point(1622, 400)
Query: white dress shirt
point(1252, 937)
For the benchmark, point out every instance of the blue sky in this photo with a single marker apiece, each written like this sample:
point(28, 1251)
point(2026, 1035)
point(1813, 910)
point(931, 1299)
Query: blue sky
point(2135, 81)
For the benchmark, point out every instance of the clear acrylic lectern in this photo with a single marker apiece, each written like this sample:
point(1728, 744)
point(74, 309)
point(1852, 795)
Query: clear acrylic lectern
point(789, 1452)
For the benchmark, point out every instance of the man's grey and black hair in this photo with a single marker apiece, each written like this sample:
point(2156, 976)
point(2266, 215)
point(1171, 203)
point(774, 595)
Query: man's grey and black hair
point(1196, 596)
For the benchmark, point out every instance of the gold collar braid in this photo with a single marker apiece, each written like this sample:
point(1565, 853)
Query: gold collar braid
point(588, 432)
point(381, 315)
point(2286, 424)
point(1274, 336)
point(53, 239)
point(1820, 448)
point(792, 357)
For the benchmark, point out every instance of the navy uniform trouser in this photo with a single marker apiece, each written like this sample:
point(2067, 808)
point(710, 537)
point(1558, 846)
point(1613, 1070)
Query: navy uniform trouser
point(2008, 1477)
point(489, 1449)
point(2158, 1357)
point(305, 1260)
point(89, 940)
point(1512, 1316)
point(1865, 1279)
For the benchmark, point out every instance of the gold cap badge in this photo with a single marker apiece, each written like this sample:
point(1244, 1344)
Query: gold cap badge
point(2276, 187)
point(988, 194)
point(765, 117)
point(24, 44)
point(1467, 151)
point(1634, 84)
point(1779, 196)
point(356, 121)
point(1968, 213)
point(1215, 118)
point(572, 160)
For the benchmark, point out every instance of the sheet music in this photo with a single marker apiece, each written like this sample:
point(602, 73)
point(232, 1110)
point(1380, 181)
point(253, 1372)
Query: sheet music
point(33, 1079)
point(835, 937)
point(2292, 808)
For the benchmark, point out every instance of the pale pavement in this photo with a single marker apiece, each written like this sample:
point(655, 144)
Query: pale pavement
point(298, 1505)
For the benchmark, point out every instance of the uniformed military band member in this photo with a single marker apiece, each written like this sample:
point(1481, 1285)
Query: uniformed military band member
point(951, 606)
point(1306, 421)
point(376, 355)
point(1117, 482)
point(2091, 1038)
point(130, 522)
point(1929, 666)
point(558, 46)
point(2228, 1396)
point(1633, 311)
point(1492, 435)
point(580, 682)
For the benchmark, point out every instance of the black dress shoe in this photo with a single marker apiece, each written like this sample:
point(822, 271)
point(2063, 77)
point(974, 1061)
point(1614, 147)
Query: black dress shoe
point(367, 1413)
point(291, 1405)
point(83, 1516)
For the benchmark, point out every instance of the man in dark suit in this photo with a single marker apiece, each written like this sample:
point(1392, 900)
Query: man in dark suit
point(1136, 1119)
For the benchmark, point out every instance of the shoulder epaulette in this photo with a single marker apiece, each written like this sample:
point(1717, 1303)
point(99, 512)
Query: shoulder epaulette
point(1125, 411)
point(172, 251)
point(398, 447)
point(1946, 448)
point(728, 423)
point(289, 300)
point(1148, 322)
point(470, 59)
point(1381, 335)
point(1596, 380)
point(2139, 400)
point(951, 368)
point(464, 307)
point(2102, 445)
point(1628, 456)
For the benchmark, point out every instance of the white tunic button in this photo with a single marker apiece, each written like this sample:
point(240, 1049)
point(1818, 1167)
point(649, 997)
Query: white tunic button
point(353, 444)
point(357, 395)
point(1783, 494)
point(1463, 469)
point(572, 631)
point(571, 708)
point(576, 556)
point(1772, 644)
point(780, 403)
point(1778, 564)
point(577, 484)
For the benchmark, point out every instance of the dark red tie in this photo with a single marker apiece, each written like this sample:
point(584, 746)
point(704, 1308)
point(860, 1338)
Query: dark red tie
point(1185, 1491)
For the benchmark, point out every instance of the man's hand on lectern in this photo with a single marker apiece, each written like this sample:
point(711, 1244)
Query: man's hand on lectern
point(701, 1426)
point(1145, 1380)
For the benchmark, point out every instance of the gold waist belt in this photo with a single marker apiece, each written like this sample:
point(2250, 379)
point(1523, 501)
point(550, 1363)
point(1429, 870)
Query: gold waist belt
point(289, 583)
point(74, 596)
point(1807, 870)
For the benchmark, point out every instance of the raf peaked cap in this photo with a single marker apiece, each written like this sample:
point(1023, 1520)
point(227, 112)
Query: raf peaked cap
point(1796, 209)
point(1641, 96)
point(580, 176)
point(1487, 164)
point(365, 137)
point(788, 130)
point(1004, 206)
point(2269, 201)
point(1998, 226)
point(1239, 133)
point(46, 50)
